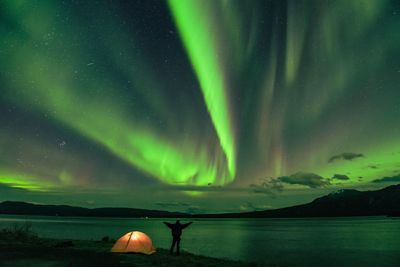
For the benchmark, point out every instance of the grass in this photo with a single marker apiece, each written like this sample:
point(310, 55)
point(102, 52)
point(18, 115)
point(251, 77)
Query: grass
point(20, 247)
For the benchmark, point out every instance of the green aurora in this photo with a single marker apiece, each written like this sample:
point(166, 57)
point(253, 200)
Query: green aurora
point(197, 101)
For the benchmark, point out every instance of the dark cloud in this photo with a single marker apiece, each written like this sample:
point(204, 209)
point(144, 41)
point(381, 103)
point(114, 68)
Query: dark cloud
point(392, 179)
point(311, 180)
point(267, 186)
point(340, 177)
point(9, 188)
point(271, 186)
point(346, 156)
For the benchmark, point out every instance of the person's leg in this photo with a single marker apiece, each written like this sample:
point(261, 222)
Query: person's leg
point(172, 246)
point(178, 242)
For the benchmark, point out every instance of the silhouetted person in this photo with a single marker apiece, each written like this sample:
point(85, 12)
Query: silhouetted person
point(176, 231)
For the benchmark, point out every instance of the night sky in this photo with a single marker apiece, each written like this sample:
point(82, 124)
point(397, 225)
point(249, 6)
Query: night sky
point(197, 106)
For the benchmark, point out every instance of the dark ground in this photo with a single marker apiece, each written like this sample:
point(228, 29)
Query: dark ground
point(20, 248)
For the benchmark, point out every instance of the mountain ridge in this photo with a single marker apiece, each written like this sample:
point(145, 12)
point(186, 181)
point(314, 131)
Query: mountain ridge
point(344, 202)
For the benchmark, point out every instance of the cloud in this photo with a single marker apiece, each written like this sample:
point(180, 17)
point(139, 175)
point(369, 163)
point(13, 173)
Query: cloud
point(311, 180)
point(247, 206)
point(10, 188)
point(392, 179)
point(90, 202)
point(267, 186)
point(271, 186)
point(173, 204)
point(342, 177)
point(207, 188)
point(181, 206)
point(346, 156)
point(201, 189)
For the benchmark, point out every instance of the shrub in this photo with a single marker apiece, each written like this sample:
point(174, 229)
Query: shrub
point(18, 232)
point(105, 239)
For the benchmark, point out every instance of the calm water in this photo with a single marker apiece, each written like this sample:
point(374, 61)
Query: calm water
point(368, 241)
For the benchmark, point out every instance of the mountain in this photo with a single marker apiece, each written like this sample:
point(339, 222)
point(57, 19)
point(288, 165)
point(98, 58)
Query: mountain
point(346, 202)
point(23, 208)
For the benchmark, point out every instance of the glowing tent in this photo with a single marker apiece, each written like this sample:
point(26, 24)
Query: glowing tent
point(134, 242)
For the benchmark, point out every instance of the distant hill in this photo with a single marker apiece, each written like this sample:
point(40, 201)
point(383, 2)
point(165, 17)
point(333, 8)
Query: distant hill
point(23, 208)
point(346, 202)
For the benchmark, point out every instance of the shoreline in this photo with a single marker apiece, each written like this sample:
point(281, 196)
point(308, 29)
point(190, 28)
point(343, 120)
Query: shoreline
point(35, 251)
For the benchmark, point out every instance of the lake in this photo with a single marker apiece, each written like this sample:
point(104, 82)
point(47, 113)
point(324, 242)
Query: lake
point(347, 241)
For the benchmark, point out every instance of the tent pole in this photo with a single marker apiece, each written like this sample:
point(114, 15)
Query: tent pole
point(129, 240)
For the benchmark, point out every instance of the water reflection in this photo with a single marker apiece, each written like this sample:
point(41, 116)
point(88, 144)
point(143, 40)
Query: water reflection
point(367, 241)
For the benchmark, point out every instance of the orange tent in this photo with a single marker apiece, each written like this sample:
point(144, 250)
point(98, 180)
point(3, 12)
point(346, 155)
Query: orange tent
point(134, 242)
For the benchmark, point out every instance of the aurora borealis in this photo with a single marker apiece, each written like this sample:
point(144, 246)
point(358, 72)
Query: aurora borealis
point(243, 104)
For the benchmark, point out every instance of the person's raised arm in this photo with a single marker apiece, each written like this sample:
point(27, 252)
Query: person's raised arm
point(168, 224)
